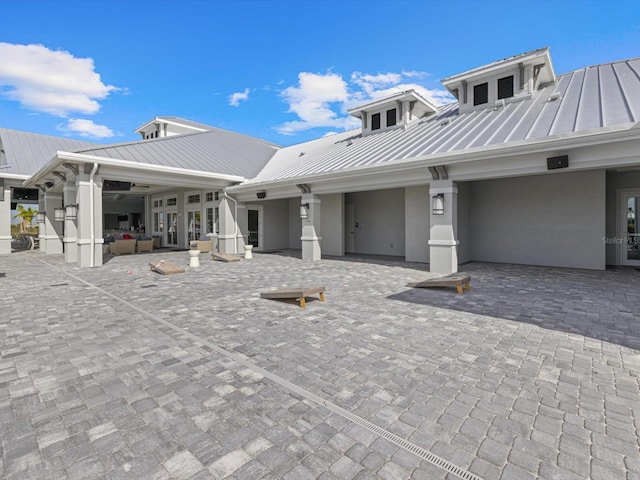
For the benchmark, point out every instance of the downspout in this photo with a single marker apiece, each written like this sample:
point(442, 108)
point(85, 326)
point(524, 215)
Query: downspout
point(235, 220)
point(92, 216)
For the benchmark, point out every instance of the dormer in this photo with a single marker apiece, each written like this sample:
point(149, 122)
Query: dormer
point(169, 126)
point(508, 80)
point(396, 111)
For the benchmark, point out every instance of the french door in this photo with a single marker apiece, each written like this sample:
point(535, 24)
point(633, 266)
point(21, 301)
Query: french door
point(254, 227)
point(631, 229)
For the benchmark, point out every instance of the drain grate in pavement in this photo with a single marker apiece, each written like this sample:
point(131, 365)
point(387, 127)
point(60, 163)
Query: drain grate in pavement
point(147, 286)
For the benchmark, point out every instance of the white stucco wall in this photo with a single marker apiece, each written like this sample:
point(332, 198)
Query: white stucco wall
point(380, 219)
point(295, 224)
point(332, 208)
point(275, 224)
point(556, 219)
point(463, 222)
point(617, 181)
point(416, 207)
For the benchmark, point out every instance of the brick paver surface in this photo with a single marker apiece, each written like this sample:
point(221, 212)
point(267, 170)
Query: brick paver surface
point(116, 372)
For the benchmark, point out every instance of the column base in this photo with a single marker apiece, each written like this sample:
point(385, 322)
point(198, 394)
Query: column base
point(311, 250)
point(443, 259)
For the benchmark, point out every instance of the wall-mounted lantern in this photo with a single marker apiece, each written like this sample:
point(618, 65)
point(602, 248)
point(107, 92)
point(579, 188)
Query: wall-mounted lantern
point(261, 195)
point(40, 216)
point(71, 211)
point(58, 214)
point(304, 210)
point(437, 204)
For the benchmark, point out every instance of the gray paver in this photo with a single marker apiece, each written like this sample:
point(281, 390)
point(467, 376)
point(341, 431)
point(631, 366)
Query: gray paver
point(533, 373)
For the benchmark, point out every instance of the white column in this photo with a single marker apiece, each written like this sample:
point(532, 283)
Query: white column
point(227, 225)
point(5, 225)
point(443, 256)
point(70, 226)
point(42, 227)
point(53, 236)
point(311, 231)
point(89, 221)
point(242, 237)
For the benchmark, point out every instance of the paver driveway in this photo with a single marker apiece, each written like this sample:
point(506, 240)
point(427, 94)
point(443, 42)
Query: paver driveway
point(117, 373)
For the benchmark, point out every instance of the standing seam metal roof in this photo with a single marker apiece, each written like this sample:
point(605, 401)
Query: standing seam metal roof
point(590, 98)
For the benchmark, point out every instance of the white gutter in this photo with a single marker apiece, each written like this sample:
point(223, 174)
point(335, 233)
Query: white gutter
point(92, 215)
point(14, 176)
point(235, 220)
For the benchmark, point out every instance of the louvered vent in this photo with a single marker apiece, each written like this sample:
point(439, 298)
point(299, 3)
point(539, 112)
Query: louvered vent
point(505, 87)
point(481, 94)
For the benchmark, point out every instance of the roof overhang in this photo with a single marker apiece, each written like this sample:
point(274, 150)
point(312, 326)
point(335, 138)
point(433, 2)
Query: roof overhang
point(535, 58)
point(177, 177)
point(161, 120)
point(422, 104)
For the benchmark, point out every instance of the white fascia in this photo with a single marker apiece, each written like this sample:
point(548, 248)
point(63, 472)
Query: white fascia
point(169, 122)
point(63, 157)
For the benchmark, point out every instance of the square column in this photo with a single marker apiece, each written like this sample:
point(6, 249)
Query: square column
point(311, 249)
point(42, 227)
point(53, 237)
point(242, 237)
point(443, 254)
point(70, 226)
point(227, 242)
point(5, 220)
point(89, 223)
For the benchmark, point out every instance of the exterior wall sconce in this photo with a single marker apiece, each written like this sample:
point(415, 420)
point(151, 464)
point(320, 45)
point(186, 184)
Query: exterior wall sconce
point(71, 211)
point(437, 204)
point(40, 216)
point(304, 210)
point(261, 195)
point(58, 214)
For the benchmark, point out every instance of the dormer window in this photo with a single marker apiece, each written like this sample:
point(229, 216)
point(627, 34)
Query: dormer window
point(392, 117)
point(375, 121)
point(505, 87)
point(481, 94)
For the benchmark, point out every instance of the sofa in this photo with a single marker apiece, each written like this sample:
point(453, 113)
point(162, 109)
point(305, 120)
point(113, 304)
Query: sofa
point(205, 246)
point(145, 245)
point(122, 246)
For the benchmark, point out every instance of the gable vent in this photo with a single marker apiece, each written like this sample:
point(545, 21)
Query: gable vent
point(480, 94)
point(505, 87)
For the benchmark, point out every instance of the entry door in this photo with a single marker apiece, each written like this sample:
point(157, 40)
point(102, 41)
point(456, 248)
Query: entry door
point(630, 218)
point(172, 228)
point(194, 218)
point(254, 227)
point(349, 228)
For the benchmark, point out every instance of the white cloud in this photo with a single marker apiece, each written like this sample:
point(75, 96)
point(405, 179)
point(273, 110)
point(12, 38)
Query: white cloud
point(86, 128)
point(50, 81)
point(322, 100)
point(236, 98)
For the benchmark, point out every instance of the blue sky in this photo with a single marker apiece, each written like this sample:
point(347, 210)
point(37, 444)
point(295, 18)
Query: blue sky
point(285, 71)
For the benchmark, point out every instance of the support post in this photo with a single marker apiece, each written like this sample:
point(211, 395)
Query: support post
point(227, 234)
point(53, 237)
point(443, 256)
point(311, 231)
point(5, 225)
point(89, 221)
point(70, 226)
point(42, 227)
point(242, 237)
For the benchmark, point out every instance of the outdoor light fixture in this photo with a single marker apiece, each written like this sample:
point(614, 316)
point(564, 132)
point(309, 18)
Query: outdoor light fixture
point(261, 195)
point(48, 184)
point(304, 210)
point(40, 217)
point(58, 214)
point(71, 211)
point(437, 204)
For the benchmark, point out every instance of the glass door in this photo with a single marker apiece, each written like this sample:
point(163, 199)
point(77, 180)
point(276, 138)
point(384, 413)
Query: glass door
point(254, 227)
point(631, 209)
point(193, 225)
point(172, 228)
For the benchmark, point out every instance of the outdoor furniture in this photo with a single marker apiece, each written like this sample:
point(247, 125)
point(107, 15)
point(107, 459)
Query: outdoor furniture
point(34, 241)
point(165, 267)
point(205, 246)
point(455, 280)
point(156, 242)
point(299, 293)
point(123, 246)
point(225, 257)
point(144, 246)
point(248, 252)
point(194, 258)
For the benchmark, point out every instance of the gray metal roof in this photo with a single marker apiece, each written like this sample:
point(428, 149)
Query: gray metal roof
point(27, 152)
point(591, 98)
point(215, 151)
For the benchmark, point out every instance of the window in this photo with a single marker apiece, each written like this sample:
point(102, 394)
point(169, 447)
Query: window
point(212, 219)
point(481, 94)
point(505, 87)
point(375, 121)
point(193, 198)
point(157, 203)
point(208, 197)
point(392, 117)
point(172, 201)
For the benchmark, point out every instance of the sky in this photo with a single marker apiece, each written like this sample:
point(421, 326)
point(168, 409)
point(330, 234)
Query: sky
point(284, 71)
